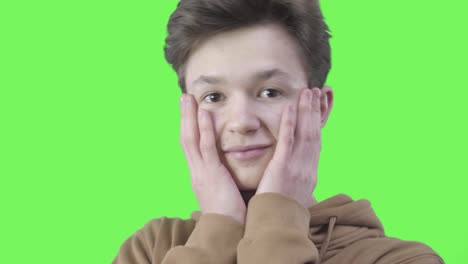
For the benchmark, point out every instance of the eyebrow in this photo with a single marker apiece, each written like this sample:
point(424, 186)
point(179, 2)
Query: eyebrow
point(256, 76)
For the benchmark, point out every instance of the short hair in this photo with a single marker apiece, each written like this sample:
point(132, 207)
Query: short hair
point(195, 20)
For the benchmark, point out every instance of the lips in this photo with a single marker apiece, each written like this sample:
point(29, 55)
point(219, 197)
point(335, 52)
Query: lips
point(247, 153)
point(246, 148)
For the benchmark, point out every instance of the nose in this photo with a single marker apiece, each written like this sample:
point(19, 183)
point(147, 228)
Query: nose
point(242, 117)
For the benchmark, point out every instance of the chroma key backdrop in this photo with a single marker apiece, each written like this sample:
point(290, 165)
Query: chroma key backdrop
point(89, 123)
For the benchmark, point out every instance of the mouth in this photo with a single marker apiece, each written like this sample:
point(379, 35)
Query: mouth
point(249, 154)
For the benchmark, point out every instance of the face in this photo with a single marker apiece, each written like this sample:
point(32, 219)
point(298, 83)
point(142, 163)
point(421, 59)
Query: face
point(245, 78)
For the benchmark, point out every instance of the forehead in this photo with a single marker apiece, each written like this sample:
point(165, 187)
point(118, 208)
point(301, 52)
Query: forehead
point(237, 55)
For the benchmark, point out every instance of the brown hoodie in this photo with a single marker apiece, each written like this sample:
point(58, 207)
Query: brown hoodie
point(278, 230)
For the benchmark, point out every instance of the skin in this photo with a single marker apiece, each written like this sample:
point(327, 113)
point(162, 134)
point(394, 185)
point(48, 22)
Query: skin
point(240, 110)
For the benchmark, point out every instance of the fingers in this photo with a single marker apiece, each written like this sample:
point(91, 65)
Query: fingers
point(304, 112)
point(207, 137)
point(308, 133)
point(286, 134)
point(197, 133)
point(316, 114)
point(308, 130)
point(189, 134)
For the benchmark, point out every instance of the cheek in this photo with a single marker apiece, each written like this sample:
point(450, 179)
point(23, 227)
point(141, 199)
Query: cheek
point(272, 119)
point(217, 124)
point(275, 126)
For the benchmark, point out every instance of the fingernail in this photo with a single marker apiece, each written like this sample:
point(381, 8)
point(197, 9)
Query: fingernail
point(181, 99)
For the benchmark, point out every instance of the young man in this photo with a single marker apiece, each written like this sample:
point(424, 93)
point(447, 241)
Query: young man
point(253, 105)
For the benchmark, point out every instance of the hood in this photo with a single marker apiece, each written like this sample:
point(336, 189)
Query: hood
point(337, 222)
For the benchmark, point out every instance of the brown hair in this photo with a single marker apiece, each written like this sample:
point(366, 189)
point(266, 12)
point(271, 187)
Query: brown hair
point(195, 20)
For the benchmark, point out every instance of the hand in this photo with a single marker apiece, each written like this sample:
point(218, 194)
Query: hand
point(292, 170)
point(214, 187)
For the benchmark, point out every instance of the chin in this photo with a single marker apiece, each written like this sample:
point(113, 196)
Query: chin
point(248, 178)
point(247, 175)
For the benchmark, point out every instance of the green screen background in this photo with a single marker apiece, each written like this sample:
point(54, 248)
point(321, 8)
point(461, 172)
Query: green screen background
point(89, 123)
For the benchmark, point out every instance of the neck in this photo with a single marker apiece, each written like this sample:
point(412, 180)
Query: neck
point(247, 195)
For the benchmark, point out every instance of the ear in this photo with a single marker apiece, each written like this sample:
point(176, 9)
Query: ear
point(326, 103)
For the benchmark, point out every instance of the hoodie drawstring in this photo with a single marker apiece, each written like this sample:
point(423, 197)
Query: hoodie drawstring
point(324, 247)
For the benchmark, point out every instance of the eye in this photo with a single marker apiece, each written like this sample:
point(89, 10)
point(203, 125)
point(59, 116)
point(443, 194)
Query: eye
point(213, 97)
point(271, 92)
